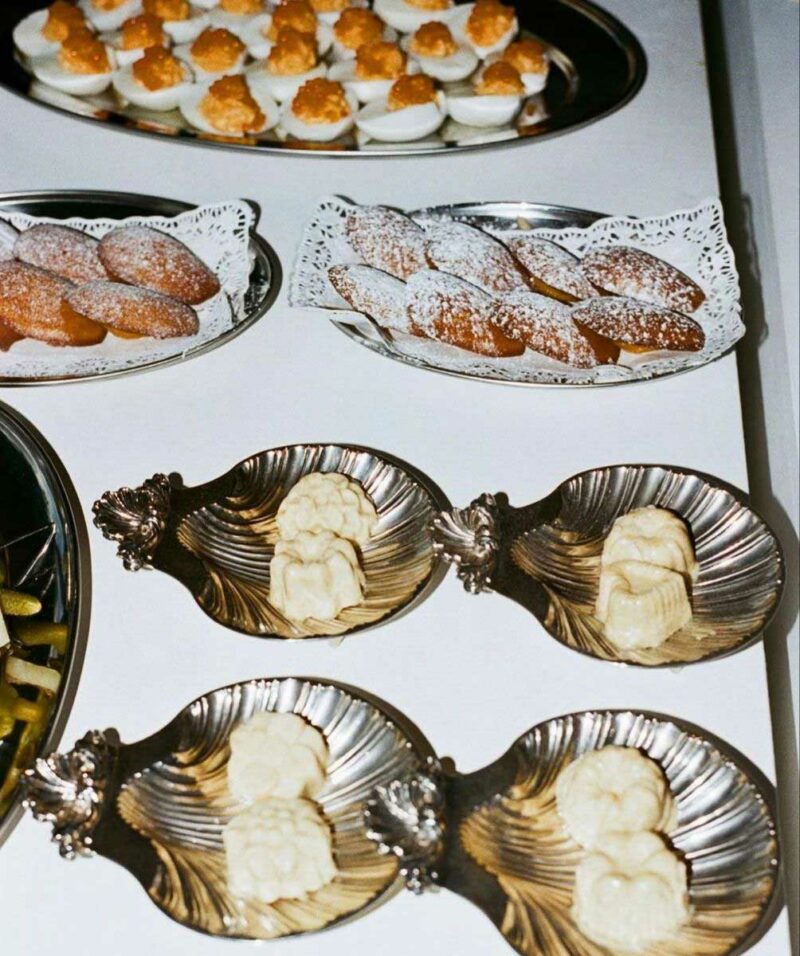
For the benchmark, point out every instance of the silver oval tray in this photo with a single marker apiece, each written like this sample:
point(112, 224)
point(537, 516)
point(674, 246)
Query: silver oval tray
point(218, 539)
point(45, 549)
point(399, 815)
point(598, 66)
point(265, 275)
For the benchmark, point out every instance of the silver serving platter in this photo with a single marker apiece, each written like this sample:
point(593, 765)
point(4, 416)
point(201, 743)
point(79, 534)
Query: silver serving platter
point(265, 276)
point(546, 557)
point(495, 838)
point(598, 67)
point(158, 807)
point(218, 538)
point(45, 550)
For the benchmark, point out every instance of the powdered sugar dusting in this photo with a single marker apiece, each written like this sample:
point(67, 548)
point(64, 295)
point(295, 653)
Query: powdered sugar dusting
point(638, 323)
point(552, 264)
point(387, 240)
point(67, 252)
point(30, 301)
point(545, 326)
point(8, 237)
point(133, 309)
point(374, 293)
point(473, 256)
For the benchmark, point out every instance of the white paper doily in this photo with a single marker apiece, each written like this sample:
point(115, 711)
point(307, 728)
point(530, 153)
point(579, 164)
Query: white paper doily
point(693, 240)
point(219, 234)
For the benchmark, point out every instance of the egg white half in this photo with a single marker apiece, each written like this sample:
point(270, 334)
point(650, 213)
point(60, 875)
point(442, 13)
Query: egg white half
point(129, 89)
point(332, 16)
point(533, 82)
point(283, 88)
point(110, 19)
point(319, 132)
point(206, 4)
point(235, 22)
point(406, 18)
point(50, 71)
point(188, 30)
point(366, 91)
point(190, 107)
point(28, 36)
point(124, 57)
point(343, 53)
point(447, 69)
point(184, 52)
point(458, 24)
point(259, 45)
point(378, 122)
point(472, 109)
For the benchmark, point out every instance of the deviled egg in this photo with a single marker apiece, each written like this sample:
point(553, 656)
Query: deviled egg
point(413, 110)
point(182, 21)
point(434, 47)
point(406, 16)
point(216, 52)
point(232, 106)
point(488, 26)
point(109, 14)
point(329, 11)
point(494, 100)
point(156, 81)
point(373, 71)
point(83, 66)
point(41, 32)
point(532, 61)
point(321, 111)
point(292, 61)
point(262, 32)
point(355, 27)
point(137, 35)
point(235, 15)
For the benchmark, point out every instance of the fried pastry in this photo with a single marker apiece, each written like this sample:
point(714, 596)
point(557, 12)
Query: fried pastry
point(387, 240)
point(443, 307)
point(474, 256)
point(60, 249)
point(623, 270)
point(131, 312)
point(374, 293)
point(545, 326)
point(553, 270)
point(146, 257)
point(8, 337)
point(31, 301)
point(638, 326)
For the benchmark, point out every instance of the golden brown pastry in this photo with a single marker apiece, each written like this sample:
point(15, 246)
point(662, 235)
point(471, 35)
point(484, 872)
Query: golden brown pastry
point(375, 293)
point(387, 240)
point(31, 306)
point(623, 270)
point(131, 312)
point(146, 257)
point(473, 256)
point(67, 252)
point(445, 308)
point(545, 326)
point(638, 326)
point(553, 270)
point(8, 337)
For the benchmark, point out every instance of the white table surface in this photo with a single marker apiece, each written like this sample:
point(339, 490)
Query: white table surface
point(474, 673)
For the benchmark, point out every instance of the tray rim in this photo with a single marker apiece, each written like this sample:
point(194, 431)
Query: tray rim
point(63, 486)
point(601, 18)
point(265, 257)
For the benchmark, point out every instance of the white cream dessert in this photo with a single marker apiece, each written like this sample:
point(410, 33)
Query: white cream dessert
point(327, 502)
point(613, 790)
point(276, 755)
point(278, 850)
point(630, 893)
point(654, 536)
point(315, 575)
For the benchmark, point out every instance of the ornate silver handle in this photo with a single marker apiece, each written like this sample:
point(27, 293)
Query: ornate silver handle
point(69, 791)
point(468, 538)
point(406, 818)
point(136, 518)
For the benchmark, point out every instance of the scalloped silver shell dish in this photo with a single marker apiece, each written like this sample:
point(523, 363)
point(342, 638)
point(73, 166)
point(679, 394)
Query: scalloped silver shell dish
point(158, 807)
point(218, 539)
point(546, 557)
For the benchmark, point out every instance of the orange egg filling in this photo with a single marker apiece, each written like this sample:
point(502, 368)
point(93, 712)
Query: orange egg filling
point(356, 26)
point(241, 6)
point(430, 4)
point(157, 69)
point(61, 18)
point(500, 79)
point(83, 53)
point(167, 9)
point(141, 32)
point(527, 56)
point(294, 53)
point(330, 6)
point(295, 15)
point(380, 61)
point(230, 108)
point(433, 39)
point(106, 5)
point(413, 90)
point(489, 22)
point(321, 101)
point(216, 50)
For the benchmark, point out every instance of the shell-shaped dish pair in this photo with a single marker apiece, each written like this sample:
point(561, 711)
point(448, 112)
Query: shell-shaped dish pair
point(158, 808)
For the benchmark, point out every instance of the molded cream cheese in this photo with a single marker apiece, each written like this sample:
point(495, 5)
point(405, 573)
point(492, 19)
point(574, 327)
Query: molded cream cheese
point(327, 502)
